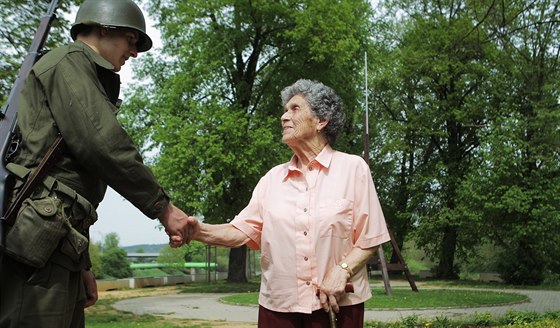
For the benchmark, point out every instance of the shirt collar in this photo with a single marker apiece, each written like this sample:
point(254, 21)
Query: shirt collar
point(324, 159)
point(97, 59)
point(325, 156)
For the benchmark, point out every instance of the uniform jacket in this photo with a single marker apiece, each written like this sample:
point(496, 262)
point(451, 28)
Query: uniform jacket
point(73, 91)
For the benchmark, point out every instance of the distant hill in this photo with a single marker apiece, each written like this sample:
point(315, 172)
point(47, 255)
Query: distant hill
point(146, 248)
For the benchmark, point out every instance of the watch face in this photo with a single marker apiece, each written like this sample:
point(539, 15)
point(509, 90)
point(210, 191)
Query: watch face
point(345, 266)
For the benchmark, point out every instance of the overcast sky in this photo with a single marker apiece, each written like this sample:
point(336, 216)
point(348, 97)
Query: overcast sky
point(117, 214)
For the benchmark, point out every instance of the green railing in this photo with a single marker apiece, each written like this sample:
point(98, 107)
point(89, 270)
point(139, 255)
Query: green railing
point(189, 265)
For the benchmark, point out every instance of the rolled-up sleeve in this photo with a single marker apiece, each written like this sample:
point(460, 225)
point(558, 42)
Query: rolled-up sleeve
point(250, 220)
point(370, 228)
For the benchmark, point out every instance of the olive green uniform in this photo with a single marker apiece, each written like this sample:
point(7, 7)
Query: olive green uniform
point(72, 91)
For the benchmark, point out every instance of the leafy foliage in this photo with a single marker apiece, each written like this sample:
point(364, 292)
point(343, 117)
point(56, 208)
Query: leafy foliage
point(95, 258)
point(431, 94)
point(114, 260)
point(464, 128)
point(212, 107)
point(20, 20)
point(186, 253)
point(467, 128)
point(518, 181)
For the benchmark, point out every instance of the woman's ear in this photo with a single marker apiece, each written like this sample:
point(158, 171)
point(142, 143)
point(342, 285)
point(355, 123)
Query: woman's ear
point(322, 123)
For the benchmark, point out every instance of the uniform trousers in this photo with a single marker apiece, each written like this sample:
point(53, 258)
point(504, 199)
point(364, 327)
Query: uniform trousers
point(49, 297)
point(351, 316)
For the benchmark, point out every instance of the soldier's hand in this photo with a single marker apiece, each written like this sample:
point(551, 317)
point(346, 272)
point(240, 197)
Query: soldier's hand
point(91, 288)
point(179, 226)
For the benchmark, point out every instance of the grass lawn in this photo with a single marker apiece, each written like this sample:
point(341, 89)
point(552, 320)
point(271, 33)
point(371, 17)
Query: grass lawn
point(426, 298)
point(492, 285)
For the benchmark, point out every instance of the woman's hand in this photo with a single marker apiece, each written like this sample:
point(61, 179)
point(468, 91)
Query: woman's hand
point(334, 284)
point(332, 288)
point(180, 227)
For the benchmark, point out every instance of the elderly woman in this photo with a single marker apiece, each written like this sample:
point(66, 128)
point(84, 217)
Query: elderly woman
point(316, 219)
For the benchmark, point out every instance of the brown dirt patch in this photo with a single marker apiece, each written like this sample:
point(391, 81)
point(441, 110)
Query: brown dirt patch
point(139, 292)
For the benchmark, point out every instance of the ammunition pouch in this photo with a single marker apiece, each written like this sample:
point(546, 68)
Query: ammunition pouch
point(54, 216)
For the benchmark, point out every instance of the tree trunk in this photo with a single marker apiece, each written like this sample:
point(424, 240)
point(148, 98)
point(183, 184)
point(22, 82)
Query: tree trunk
point(446, 268)
point(402, 226)
point(237, 264)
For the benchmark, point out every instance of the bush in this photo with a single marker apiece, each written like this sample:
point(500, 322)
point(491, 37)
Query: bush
point(115, 263)
point(483, 259)
point(520, 267)
point(441, 322)
point(546, 323)
point(484, 319)
point(407, 322)
point(552, 315)
point(95, 258)
point(552, 279)
point(521, 318)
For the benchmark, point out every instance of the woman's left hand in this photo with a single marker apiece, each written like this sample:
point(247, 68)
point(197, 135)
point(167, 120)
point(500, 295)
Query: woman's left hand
point(332, 288)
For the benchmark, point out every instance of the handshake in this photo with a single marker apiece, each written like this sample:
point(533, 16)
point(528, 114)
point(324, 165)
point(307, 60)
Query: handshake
point(180, 227)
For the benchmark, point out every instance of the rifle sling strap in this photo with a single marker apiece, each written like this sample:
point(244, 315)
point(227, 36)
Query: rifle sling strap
point(35, 178)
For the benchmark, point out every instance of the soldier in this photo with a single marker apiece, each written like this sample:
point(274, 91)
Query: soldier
point(73, 91)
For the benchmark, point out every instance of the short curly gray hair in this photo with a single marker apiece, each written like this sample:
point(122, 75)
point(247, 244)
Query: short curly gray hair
point(323, 102)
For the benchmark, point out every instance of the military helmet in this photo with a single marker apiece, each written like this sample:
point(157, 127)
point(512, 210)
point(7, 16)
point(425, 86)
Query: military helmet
point(112, 13)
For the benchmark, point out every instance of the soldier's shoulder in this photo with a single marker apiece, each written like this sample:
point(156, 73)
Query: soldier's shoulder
point(54, 57)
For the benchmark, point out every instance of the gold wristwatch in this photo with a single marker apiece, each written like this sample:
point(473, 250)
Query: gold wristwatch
point(345, 266)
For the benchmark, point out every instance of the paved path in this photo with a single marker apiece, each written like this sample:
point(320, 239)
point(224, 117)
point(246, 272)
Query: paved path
point(208, 307)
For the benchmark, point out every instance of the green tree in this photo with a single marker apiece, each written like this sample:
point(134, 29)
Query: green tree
point(172, 256)
point(520, 178)
point(115, 264)
point(212, 106)
point(20, 20)
point(431, 92)
point(397, 144)
point(195, 251)
point(182, 254)
point(113, 258)
point(467, 119)
point(111, 240)
point(177, 257)
point(95, 257)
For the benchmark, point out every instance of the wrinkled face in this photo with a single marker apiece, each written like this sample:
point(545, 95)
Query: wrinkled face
point(118, 45)
point(298, 122)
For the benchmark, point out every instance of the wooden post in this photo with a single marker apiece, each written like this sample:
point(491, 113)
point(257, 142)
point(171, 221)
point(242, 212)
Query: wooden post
point(384, 271)
point(381, 264)
point(402, 264)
